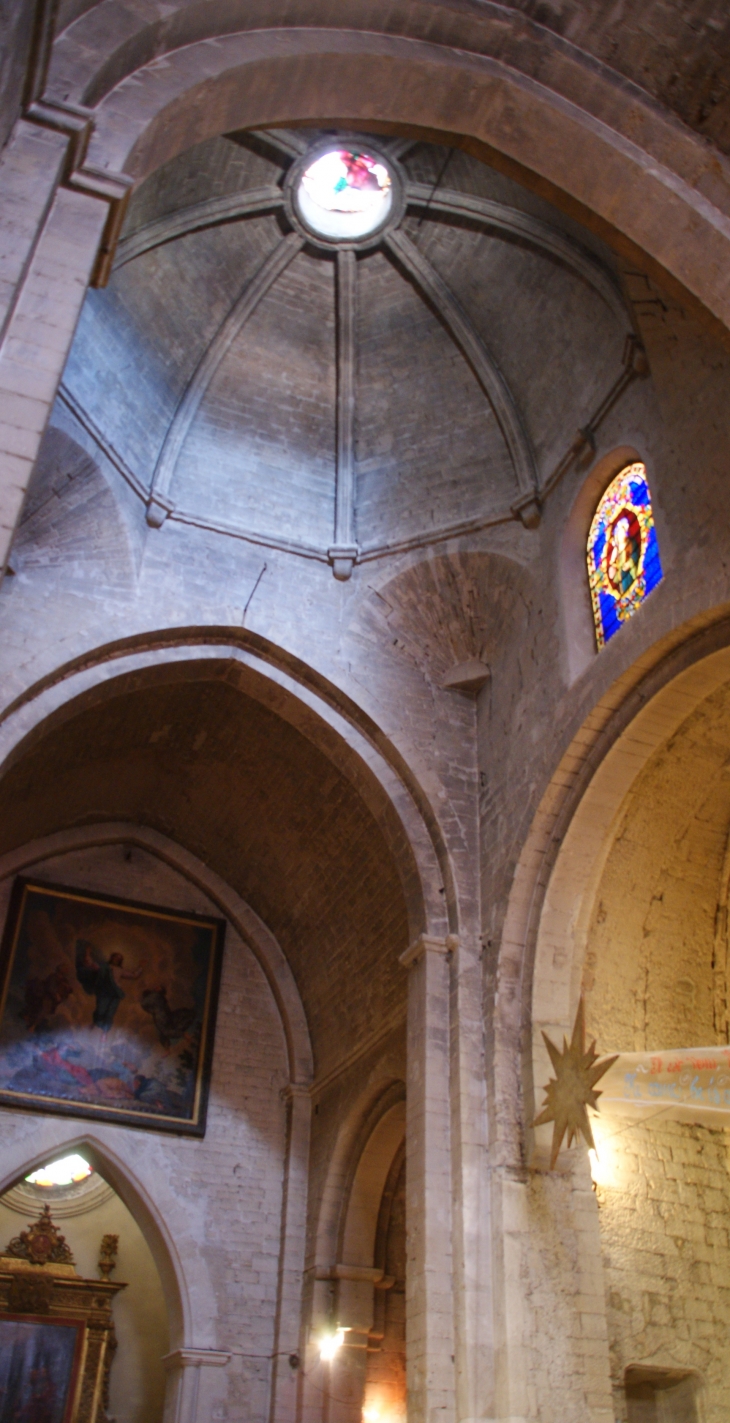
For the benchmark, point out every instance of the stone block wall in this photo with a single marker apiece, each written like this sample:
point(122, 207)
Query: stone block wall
point(218, 1199)
point(663, 1191)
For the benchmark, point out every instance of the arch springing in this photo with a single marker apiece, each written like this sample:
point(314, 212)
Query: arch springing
point(622, 552)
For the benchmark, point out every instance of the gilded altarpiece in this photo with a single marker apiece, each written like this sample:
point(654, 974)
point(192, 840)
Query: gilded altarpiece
point(57, 1338)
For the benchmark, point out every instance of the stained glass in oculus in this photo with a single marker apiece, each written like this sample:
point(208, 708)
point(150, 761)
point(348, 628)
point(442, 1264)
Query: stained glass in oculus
point(623, 553)
point(345, 194)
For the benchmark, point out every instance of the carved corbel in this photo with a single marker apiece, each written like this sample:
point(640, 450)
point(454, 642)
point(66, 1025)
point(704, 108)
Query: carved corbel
point(159, 508)
point(343, 559)
point(528, 510)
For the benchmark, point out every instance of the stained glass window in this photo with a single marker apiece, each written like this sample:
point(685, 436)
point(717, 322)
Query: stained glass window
point(345, 194)
point(623, 553)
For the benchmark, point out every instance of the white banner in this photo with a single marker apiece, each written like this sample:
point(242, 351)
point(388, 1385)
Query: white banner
point(691, 1084)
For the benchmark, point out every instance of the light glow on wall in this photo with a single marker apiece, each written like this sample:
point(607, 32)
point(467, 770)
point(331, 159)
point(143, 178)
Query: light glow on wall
point(380, 1408)
point(330, 1343)
point(607, 1161)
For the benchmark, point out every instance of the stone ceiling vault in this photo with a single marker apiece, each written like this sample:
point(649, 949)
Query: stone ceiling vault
point(344, 406)
point(264, 808)
point(580, 102)
point(678, 52)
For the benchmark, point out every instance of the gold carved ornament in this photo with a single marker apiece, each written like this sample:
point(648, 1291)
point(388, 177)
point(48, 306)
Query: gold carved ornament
point(108, 1255)
point(41, 1244)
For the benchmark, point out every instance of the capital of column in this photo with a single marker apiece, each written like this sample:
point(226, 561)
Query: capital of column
point(428, 944)
point(195, 1359)
point(296, 1089)
point(359, 1274)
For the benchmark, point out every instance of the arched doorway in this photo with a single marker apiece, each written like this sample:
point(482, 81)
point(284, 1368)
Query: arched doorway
point(87, 1209)
point(634, 920)
point(356, 1355)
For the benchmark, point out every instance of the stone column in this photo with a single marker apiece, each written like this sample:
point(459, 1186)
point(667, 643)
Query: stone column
point(355, 1311)
point(188, 1397)
point(315, 1374)
point(288, 1343)
point(31, 167)
point(429, 1285)
point(472, 1209)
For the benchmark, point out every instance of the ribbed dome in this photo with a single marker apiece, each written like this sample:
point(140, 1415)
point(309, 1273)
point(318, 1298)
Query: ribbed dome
point(342, 401)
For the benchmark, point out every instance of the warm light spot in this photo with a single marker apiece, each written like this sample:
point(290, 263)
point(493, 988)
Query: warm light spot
point(607, 1160)
point(383, 1408)
point(330, 1343)
point(67, 1171)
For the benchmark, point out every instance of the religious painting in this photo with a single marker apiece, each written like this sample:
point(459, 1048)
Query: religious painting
point(623, 553)
point(107, 1008)
point(39, 1369)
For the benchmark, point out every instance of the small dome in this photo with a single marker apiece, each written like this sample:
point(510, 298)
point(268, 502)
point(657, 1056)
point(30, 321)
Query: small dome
point(347, 315)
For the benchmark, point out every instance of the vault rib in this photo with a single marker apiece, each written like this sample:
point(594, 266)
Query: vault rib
point(160, 505)
point(513, 223)
point(212, 213)
point(343, 553)
point(434, 289)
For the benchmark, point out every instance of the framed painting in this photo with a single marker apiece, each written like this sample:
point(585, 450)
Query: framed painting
point(107, 1008)
point(40, 1364)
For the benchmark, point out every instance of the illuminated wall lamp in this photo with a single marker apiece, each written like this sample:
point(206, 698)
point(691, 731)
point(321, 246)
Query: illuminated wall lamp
point(330, 1343)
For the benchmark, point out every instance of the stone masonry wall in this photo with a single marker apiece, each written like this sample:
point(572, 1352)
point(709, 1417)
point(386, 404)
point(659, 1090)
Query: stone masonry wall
point(384, 640)
point(223, 1193)
point(664, 1207)
point(648, 976)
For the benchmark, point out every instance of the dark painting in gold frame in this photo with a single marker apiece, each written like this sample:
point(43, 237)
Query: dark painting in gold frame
point(107, 1008)
point(40, 1362)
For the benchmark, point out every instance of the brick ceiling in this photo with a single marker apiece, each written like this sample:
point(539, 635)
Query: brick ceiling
point(257, 802)
point(257, 451)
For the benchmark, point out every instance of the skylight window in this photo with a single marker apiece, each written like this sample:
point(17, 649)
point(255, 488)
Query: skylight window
point(345, 194)
point(67, 1171)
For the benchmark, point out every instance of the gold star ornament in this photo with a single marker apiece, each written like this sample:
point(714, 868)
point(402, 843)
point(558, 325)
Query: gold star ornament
point(569, 1094)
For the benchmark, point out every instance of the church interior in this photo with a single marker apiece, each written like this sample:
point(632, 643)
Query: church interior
point(364, 711)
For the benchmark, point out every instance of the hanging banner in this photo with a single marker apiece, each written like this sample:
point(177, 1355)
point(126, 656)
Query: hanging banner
point(691, 1084)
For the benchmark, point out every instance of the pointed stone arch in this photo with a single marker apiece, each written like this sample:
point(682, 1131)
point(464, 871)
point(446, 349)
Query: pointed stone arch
point(155, 1214)
point(158, 86)
point(355, 745)
point(344, 1271)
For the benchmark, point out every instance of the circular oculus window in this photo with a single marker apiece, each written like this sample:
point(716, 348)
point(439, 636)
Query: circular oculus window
point(345, 194)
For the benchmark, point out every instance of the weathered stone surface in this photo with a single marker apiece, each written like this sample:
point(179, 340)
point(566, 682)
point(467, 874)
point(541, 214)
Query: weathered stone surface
point(208, 682)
